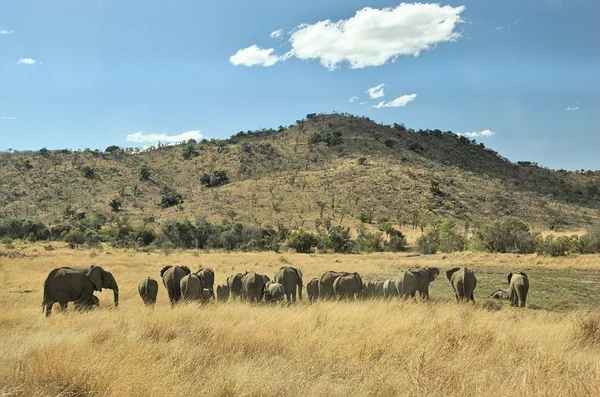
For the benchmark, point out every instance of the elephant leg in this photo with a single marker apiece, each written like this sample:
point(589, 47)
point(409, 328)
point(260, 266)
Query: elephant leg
point(63, 305)
point(48, 308)
point(293, 293)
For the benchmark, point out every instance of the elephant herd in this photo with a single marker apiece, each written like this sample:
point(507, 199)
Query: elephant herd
point(66, 284)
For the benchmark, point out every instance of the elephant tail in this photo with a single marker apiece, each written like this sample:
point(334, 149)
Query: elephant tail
point(299, 273)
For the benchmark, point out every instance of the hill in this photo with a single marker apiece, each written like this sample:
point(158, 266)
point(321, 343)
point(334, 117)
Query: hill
point(329, 166)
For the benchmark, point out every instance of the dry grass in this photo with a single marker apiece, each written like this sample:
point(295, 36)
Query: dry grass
point(372, 348)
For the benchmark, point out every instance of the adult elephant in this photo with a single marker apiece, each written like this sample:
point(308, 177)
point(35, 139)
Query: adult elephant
point(326, 283)
point(312, 289)
point(207, 276)
point(518, 288)
point(274, 292)
point(222, 292)
point(347, 287)
point(379, 288)
point(389, 289)
point(192, 288)
point(368, 290)
point(291, 279)
point(463, 281)
point(253, 286)
point(234, 282)
point(407, 284)
point(425, 275)
point(148, 289)
point(66, 284)
point(171, 276)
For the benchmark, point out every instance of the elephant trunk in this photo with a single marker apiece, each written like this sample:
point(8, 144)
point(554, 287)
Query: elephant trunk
point(113, 285)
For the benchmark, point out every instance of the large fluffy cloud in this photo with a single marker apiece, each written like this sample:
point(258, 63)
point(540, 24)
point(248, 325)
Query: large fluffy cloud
point(163, 138)
point(374, 36)
point(396, 103)
point(254, 55)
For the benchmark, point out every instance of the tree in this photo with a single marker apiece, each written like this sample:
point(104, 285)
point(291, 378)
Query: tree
point(115, 205)
point(339, 239)
point(189, 150)
point(44, 152)
point(170, 198)
point(112, 148)
point(303, 242)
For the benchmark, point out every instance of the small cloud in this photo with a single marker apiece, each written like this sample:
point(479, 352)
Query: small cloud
point(478, 134)
point(571, 109)
point(4, 31)
point(396, 103)
point(8, 118)
point(254, 55)
point(27, 61)
point(352, 99)
point(362, 103)
point(164, 138)
point(276, 34)
point(498, 28)
point(376, 92)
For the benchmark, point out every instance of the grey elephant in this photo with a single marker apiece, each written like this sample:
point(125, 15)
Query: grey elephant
point(65, 284)
point(274, 292)
point(208, 279)
point(347, 287)
point(171, 276)
point(425, 275)
point(312, 289)
point(518, 288)
point(291, 279)
point(86, 305)
point(407, 283)
point(253, 286)
point(463, 281)
point(148, 289)
point(191, 288)
point(222, 292)
point(389, 289)
point(326, 283)
point(499, 294)
point(379, 288)
point(234, 282)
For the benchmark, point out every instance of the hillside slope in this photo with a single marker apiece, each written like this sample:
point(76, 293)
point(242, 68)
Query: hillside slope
point(326, 166)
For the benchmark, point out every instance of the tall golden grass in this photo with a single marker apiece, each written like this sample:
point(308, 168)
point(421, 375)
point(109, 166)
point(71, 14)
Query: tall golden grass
point(373, 348)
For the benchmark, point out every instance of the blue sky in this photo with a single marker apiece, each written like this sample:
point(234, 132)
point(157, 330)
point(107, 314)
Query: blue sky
point(90, 73)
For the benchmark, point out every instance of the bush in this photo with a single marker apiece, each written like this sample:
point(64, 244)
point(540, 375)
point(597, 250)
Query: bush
point(368, 242)
point(365, 218)
point(75, 238)
point(429, 243)
point(23, 229)
point(88, 172)
point(112, 148)
point(115, 205)
point(328, 138)
point(170, 198)
point(218, 178)
point(507, 235)
point(303, 242)
point(44, 152)
point(396, 243)
point(561, 246)
point(189, 150)
point(145, 173)
point(339, 239)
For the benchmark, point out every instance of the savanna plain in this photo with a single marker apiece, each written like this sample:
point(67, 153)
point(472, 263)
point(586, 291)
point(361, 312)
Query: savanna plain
point(349, 348)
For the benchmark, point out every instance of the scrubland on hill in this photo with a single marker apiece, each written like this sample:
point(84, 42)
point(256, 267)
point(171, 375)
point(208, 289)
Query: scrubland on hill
point(367, 347)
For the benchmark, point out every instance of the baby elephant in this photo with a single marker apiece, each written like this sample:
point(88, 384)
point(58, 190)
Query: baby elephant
point(518, 288)
point(148, 289)
point(222, 292)
point(274, 292)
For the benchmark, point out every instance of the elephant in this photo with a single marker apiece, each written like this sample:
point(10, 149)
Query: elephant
point(463, 281)
point(369, 290)
point(86, 305)
point(274, 292)
point(171, 276)
point(518, 288)
point(148, 289)
point(326, 283)
point(389, 289)
point(208, 279)
point(234, 282)
point(499, 294)
point(312, 289)
point(407, 283)
point(65, 284)
point(290, 278)
point(425, 275)
point(222, 292)
point(348, 286)
point(253, 286)
point(379, 288)
point(191, 287)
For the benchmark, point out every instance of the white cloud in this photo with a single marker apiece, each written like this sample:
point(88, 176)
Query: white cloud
point(164, 138)
point(376, 92)
point(478, 134)
point(362, 103)
point(352, 99)
point(373, 36)
point(276, 33)
point(570, 109)
point(27, 61)
point(4, 31)
point(398, 102)
point(498, 28)
point(254, 55)
point(8, 118)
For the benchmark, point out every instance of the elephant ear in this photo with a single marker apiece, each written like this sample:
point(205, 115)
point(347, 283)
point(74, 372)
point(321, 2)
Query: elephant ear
point(164, 269)
point(299, 272)
point(509, 277)
point(185, 269)
point(95, 276)
point(450, 272)
point(433, 273)
point(523, 274)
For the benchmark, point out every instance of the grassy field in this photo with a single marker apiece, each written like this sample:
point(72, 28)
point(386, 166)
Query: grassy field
point(373, 348)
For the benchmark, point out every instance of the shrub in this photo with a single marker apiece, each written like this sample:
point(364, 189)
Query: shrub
point(450, 239)
point(170, 198)
point(189, 150)
point(112, 148)
point(339, 239)
point(75, 238)
point(508, 235)
point(303, 242)
point(145, 173)
point(365, 218)
point(115, 204)
point(88, 172)
point(23, 229)
point(396, 243)
point(368, 242)
point(44, 152)
point(362, 161)
point(217, 178)
point(429, 243)
point(561, 246)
